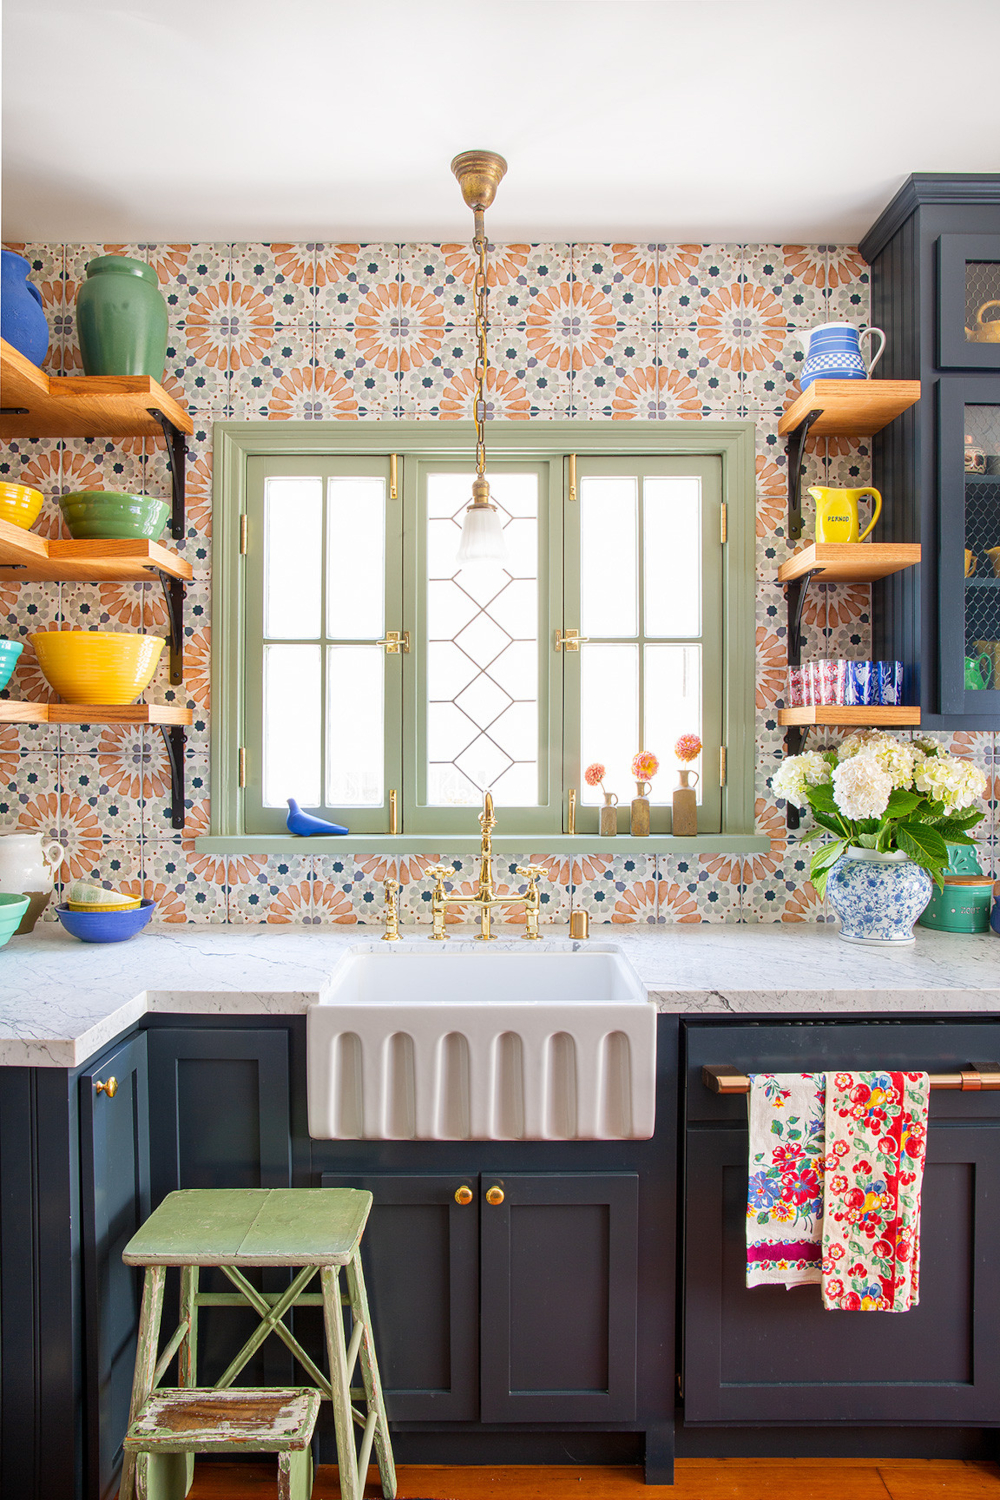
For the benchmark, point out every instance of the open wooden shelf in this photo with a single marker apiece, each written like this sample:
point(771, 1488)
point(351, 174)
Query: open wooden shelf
point(92, 713)
point(862, 717)
point(850, 408)
point(850, 562)
point(80, 405)
point(28, 558)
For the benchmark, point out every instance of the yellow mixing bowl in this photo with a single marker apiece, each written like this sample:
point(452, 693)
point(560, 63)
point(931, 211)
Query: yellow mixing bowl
point(97, 666)
point(20, 504)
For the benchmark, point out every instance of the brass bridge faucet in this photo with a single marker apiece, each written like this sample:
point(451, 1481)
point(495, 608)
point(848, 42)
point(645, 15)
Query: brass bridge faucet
point(486, 898)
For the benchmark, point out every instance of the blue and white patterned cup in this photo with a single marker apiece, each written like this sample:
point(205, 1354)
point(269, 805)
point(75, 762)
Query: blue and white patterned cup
point(861, 684)
point(833, 352)
point(890, 683)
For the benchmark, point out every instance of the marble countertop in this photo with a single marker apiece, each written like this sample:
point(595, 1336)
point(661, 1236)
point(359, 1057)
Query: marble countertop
point(61, 1001)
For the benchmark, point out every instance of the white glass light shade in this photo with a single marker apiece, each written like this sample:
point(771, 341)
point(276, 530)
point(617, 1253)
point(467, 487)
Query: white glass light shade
point(482, 537)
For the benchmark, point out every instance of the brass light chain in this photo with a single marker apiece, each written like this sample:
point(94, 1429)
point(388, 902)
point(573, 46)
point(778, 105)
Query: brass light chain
point(481, 246)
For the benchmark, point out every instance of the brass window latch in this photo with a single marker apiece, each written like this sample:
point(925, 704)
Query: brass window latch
point(395, 641)
point(569, 640)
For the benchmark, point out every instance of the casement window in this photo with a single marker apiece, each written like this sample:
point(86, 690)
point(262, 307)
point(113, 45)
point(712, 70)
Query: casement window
point(359, 670)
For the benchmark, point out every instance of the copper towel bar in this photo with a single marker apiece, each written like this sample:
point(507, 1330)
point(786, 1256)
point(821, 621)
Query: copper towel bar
point(726, 1080)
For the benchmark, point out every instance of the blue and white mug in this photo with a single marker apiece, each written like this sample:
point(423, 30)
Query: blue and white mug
point(890, 683)
point(861, 684)
point(833, 352)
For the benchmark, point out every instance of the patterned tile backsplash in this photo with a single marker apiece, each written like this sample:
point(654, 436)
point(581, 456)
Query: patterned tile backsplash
point(330, 332)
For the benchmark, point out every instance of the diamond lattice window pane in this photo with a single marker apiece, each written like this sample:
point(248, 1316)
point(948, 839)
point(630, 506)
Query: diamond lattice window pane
point(672, 555)
point(482, 649)
point(355, 536)
point(291, 743)
point(293, 558)
point(483, 640)
point(483, 701)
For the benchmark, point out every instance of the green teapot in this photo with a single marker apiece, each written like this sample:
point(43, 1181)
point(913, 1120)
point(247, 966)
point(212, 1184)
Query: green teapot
point(977, 670)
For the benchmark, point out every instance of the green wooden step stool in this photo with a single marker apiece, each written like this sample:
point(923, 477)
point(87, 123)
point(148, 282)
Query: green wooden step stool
point(173, 1426)
point(309, 1230)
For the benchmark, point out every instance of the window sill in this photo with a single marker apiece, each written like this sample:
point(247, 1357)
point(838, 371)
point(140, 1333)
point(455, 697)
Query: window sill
point(468, 843)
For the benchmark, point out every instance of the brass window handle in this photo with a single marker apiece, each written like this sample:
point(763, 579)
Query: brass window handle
point(494, 1196)
point(569, 640)
point(110, 1088)
point(463, 1195)
point(395, 641)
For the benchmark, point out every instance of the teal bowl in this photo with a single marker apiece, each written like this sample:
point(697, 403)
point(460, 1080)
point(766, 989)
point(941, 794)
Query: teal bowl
point(107, 516)
point(12, 909)
point(9, 652)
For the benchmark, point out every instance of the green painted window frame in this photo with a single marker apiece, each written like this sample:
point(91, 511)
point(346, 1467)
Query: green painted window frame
point(551, 443)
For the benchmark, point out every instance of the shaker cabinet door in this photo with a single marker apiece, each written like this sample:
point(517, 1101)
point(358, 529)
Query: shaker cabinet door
point(115, 1199)
point(559, 1295)
point(420, 1253)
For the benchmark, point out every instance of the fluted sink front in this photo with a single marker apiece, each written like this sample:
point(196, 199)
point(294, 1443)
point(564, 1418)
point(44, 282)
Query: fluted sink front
point(418, 1044)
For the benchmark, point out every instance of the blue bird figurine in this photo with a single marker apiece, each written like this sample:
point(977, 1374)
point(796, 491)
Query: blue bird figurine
point(304, 823)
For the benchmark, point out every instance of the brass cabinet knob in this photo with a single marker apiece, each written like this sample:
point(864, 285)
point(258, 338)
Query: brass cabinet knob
point(110, 1088)
point(494, 1196)
point(463, 1195)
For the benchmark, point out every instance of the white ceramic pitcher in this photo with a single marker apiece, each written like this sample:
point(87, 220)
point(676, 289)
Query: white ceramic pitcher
point(29, 864)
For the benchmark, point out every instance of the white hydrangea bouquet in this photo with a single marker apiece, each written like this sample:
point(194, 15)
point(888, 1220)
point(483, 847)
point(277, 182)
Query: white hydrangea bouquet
point(877, 792)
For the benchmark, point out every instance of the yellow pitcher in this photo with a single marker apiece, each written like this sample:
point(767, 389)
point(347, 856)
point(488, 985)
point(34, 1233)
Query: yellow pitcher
point(837, 513)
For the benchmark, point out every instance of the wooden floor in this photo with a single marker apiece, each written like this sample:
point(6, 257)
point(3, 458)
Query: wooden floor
point(697, 1479)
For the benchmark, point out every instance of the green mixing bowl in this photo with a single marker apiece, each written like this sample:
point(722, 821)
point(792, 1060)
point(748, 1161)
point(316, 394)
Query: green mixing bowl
point(12, 909)
point(106, 516)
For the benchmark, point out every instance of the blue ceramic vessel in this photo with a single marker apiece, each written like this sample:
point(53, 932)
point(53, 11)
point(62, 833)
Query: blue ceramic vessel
point(105, 926)
point(878, 897)
point(22, 321)
point(305, 824)
point(9, 652)
point(833, 352)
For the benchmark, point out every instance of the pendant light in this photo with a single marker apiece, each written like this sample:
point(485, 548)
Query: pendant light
point(479, 174)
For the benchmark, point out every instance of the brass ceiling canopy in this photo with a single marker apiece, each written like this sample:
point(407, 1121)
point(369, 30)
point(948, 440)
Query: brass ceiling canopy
point(479, 174)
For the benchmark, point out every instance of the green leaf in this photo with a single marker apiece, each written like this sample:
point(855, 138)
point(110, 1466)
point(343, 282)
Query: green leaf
point(902, 802)
point(776, 1127)
point(821, 799)
point(762, 1218)
point(922, 843)
point(823, 861)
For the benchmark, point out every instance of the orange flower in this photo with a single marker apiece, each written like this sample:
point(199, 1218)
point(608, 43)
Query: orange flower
point(688, 747)
point(594, 774)
point(570, 326)
point(644, 765)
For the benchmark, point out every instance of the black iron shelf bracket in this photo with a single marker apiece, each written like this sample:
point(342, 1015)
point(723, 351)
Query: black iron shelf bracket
point(177, 451)
point(795, 734)
point(175, 742)
point(174, 590)
point(794, 450)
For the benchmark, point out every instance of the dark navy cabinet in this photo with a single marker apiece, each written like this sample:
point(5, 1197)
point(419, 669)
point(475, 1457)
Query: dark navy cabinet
point(935, 286)
point(114, 1167)
point(528, 1306)
point(764, 1354)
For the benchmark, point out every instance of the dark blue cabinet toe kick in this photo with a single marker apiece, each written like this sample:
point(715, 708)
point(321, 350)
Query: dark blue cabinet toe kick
point(550, 1325)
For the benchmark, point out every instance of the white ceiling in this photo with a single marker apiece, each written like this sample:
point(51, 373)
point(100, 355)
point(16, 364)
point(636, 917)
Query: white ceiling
point(705, 120)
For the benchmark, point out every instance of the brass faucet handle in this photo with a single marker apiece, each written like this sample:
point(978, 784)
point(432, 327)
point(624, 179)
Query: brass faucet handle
point(391, 888)
point(441, 873)
point(532, 872)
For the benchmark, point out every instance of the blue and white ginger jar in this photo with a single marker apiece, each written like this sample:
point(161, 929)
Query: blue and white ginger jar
point(878, 897)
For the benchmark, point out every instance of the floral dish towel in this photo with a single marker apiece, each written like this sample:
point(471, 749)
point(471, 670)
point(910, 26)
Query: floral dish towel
point(785, 1199)
point(876, 1135)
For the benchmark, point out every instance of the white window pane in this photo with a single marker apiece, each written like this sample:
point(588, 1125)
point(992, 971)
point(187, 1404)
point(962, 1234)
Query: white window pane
point(672, 526)
point(609, 587)
point(293, 558)
point(355, 730)
point(291, 725)
point(355, 537)
point(609, 716)
point(673, 708)
point(482, 651)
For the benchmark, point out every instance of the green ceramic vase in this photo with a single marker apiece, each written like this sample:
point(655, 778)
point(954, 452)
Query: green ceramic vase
point(121, 319)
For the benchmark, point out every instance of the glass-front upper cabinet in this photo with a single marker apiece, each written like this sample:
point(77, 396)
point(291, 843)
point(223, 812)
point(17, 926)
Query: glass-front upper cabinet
point(969, 301)
point(969, 599)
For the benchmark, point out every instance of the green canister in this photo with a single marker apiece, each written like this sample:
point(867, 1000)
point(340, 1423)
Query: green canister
point(963, 905)
point(121, 319)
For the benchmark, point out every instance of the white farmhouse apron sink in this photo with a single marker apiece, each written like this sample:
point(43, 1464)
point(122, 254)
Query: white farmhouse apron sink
point(453, 1044)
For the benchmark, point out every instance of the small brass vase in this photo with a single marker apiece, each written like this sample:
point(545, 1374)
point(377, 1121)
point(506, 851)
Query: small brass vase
point(639, 815)
point(685, 803)
point(609, 816)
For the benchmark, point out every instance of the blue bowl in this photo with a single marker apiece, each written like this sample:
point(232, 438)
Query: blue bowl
point(9, 652)
point(105, 926)
point(12, 909)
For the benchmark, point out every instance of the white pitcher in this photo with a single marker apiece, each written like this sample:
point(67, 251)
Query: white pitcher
point(29, 864)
